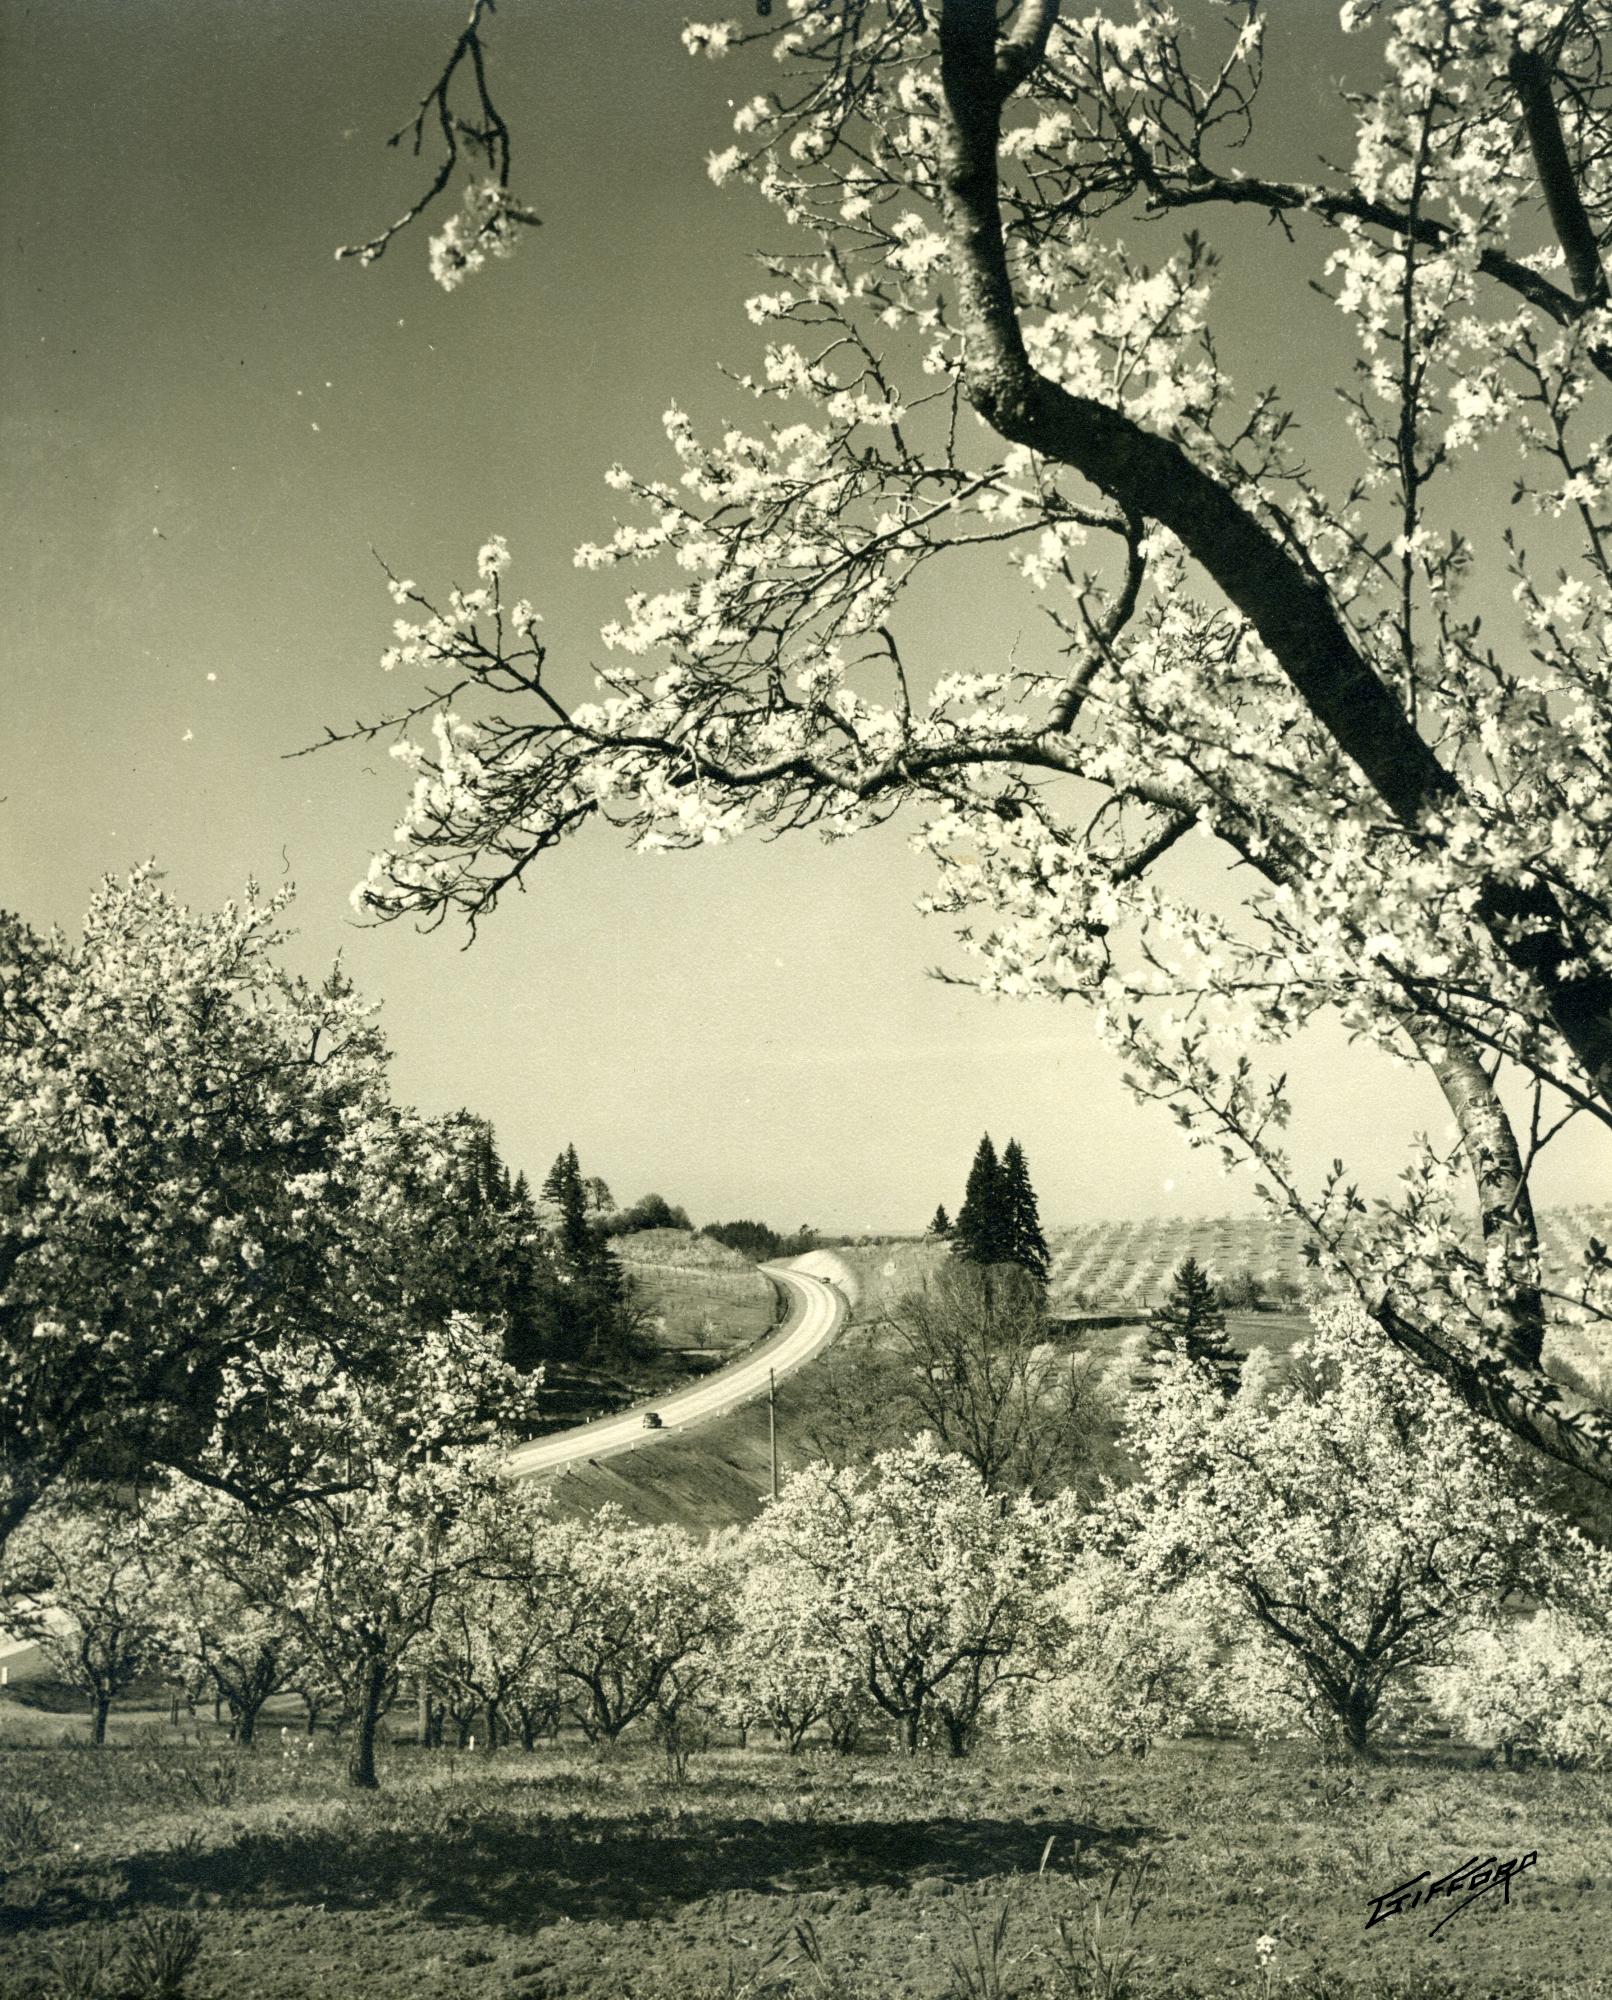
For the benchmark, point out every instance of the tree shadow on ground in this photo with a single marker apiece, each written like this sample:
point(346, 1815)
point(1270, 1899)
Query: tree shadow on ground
point(522, 1872)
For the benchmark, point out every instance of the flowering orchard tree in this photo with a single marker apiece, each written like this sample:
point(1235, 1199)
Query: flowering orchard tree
point(1540, 1684)
point(1128, 1664)
point(634, 1618)
point(209, 1204)
point(1350, 1529)
point(210, 1632)
point(356, 1567)
point(488, 1654)
point(781, 1667)
point(77, 1581)
point(1412, 792)
point(933, 1585)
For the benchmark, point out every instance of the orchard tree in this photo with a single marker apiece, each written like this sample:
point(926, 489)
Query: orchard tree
point(931, 1584)
point(357, 1570)
point(211, 1632)
point(634, 1617)
point(1128, 1664)
point(1302, 660)
point(780, 1666)
point(78, 1582)
point(1541, 1684)
point(204, 1183)
point(1351, 1528)
point(487, 1654)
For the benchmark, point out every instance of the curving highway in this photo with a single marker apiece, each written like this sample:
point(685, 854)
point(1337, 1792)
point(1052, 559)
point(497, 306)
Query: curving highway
point(817, 1311)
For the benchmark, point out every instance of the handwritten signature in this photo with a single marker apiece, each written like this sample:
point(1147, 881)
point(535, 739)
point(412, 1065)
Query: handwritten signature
point(1474, 1878)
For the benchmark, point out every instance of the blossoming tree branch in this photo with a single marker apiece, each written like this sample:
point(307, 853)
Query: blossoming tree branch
point(959, 352)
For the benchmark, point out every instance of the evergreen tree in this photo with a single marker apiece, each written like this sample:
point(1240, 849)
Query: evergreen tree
point(942, 1222)
point(565, 1188)
point(981, 1235)
point(591, 1306)
point(1027, 1247)
point(1190, 1322)
point(529, 1281)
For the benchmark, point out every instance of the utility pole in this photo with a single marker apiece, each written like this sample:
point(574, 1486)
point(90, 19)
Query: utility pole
point(772, 1427)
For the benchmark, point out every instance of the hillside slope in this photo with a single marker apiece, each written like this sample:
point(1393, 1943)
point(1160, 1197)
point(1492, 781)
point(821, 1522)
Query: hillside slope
point(1129, 1263)
point(705, 1298)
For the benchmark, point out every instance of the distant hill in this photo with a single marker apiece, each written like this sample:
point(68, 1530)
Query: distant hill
point(1105, 1267)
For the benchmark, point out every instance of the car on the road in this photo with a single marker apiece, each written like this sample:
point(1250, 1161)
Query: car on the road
point(653, 1420)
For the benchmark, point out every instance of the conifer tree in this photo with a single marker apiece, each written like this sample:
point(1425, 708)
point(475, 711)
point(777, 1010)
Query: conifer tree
point(564, 1187)
point(941, 1224)
point(980, 1235)
point(594, 1309)
point(1190, 1322)
point(1027, 1247)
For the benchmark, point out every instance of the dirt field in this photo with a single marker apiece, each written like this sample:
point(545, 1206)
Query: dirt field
point(569, 1877)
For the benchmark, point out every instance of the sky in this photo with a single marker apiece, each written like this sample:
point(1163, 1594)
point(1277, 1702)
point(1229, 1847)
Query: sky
point(210, 429)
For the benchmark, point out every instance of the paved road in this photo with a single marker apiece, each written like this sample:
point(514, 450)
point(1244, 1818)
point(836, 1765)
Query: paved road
point(817, 1311)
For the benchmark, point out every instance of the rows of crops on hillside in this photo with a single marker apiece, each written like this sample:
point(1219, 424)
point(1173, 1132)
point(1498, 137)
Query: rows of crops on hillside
point(1101, 1264)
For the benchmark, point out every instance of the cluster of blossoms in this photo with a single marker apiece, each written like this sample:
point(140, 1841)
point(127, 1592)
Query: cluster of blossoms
point(488, 225)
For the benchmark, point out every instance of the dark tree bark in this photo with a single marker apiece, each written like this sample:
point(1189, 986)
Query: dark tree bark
point(371, 1701)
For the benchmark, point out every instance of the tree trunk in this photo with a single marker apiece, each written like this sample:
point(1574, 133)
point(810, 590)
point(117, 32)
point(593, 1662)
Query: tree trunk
point(246, 1716)
point(361, 1761)
point(1358, 1714)
point(957, 1735)
point(98, 1715)
point(492, 1727)
point(909, 1732)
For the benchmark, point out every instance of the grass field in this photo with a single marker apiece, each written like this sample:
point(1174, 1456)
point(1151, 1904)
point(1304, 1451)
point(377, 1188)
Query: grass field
point(568, 1876)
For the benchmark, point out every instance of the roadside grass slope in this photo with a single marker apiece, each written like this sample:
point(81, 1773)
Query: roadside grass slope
point(714, 1475)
